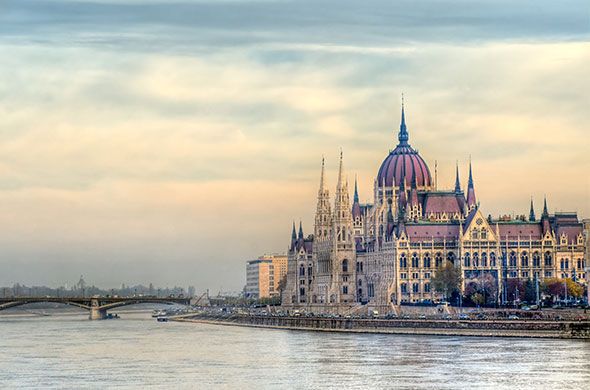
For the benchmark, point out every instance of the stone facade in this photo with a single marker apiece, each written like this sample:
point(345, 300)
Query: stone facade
point(385, 253)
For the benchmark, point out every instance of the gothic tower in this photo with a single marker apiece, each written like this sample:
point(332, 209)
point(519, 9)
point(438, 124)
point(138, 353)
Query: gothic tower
point(342, 286)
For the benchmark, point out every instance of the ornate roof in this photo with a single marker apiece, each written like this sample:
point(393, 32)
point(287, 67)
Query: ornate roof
point(404, 161)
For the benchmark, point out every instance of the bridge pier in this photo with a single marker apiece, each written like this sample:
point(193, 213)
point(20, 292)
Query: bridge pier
point(96, 313)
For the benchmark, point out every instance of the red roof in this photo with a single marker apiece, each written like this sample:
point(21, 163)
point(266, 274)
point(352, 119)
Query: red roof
point(570, 231)
point(522, 230)
point(403, 156)
point(429, 232)
point(439, 203)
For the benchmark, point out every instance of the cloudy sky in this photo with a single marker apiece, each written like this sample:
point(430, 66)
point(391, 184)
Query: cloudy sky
point(170, 141)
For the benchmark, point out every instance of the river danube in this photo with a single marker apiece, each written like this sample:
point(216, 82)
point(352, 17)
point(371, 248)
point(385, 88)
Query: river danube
point(136, 352)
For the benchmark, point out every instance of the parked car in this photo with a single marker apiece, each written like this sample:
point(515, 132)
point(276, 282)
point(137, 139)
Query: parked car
point(463, 316)
point(446, 317)
point(422, 317)
point(513, 317)
point(558, 317)
point(405, 316)
point(482, 316)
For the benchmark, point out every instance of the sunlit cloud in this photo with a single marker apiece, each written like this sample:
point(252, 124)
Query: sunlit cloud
point(154, 140)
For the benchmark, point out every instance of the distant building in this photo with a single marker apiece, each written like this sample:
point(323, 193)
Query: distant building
point(264, 274)
point(385, 253)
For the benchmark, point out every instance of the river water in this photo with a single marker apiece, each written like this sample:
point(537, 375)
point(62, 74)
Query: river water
point(136, 352)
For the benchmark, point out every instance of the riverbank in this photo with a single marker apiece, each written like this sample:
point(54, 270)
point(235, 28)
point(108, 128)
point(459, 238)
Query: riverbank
point(493, 328)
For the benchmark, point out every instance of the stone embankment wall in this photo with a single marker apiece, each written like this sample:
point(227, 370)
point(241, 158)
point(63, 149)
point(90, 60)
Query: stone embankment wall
point(499, 328)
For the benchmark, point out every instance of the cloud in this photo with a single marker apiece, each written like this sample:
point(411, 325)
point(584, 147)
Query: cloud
point(193, 138)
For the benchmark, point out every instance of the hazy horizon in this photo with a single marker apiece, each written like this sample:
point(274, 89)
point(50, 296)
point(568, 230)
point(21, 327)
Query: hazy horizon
point(149, 141)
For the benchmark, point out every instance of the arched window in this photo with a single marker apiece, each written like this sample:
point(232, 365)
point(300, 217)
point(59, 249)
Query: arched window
point(474, 234)
point(415, 288)
point(404, 288)
point(524, 259)
point(484, 259)
point(512, 259)
point(475, 259)
point(344, 289)
point(345, 265)
point(451, 257)
point(564, 263)
point(492, 259)
point(427, 260)
point(426, 287)
point(360, 282)
point(415, 260)
point(548, 259)
point(437, 259)
point(484, 234)
point(467, 259)
point(403, 261)
point(301, 270)
point(536, 259)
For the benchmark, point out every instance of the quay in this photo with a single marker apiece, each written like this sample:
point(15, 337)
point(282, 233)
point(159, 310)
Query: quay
point(453, 327)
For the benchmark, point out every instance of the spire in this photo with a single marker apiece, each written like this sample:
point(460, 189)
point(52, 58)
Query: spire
point(471, 202)
point(403, 133)
point(340, 172)
point(457, 182)
point(300, 231)
point(294, 233)
point(356, 193)
point(532, 212)
point(322, 177)
point(470, 184)
point(403, 197)
point(545, 212)
point(545, 218)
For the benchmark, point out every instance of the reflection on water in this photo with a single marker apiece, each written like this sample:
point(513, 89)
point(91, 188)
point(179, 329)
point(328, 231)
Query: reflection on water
point(137, 352)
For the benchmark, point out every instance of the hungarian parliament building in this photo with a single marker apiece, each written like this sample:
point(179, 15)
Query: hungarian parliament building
point(386, 253)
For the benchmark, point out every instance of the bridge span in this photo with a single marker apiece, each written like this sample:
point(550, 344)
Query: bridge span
point(97, 306)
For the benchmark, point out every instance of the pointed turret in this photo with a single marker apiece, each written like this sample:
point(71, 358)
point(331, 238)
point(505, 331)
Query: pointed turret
point(545, 212)
point(532, 212)
point(322, 178)
point(403, 197)
point(403, 132)
point(323, 216)
point(342, 209)
point(471, 202)
point(414, 191)
point(545, 218)
point(457, 182)
point(356, 207)
point(341, 180)
point(294, 233)
point(300, 231)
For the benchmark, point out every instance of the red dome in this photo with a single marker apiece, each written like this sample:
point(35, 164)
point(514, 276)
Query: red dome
point(403, 157)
